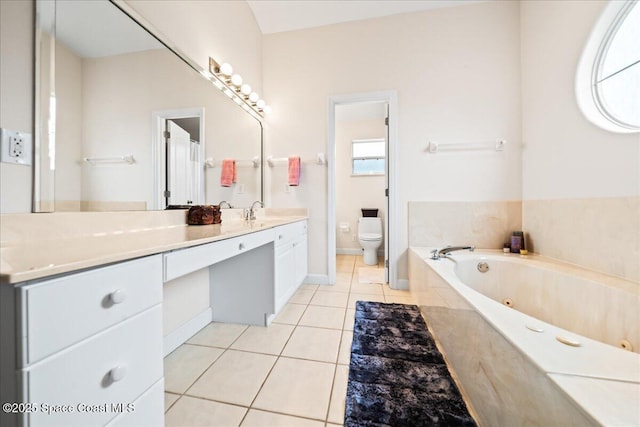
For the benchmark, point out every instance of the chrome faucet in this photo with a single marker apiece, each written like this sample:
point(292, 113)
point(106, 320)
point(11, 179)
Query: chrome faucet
point(252, 212)
point(228, 204)
point(437, 254)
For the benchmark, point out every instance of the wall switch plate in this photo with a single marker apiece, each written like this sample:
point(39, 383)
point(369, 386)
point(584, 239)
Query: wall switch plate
point(287, 189)
point(15, 147)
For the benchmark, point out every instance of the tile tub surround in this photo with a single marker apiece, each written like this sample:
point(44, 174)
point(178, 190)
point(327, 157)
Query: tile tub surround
point(600, 234)
point(298, 387)
point(39, 245)
point(482, 224)
point(498, 361)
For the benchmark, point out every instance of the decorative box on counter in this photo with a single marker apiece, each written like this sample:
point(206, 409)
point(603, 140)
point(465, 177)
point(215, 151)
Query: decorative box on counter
point(204, 215)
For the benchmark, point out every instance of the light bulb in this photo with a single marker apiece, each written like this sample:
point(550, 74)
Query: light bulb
point(253, 97)
point(245, 89)
point(260, 104)
point(267, 109)
point(226, 69)
point(236, 80)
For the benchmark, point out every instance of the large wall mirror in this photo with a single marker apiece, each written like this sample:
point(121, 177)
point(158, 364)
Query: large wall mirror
point(125, 123)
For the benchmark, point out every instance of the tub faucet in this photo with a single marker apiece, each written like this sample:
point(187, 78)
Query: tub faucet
point(437, 254)
point(252, 211)
point(227, 203)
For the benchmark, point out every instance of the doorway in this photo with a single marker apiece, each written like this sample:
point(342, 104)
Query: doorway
point(178, 158)
point(365, 106)
point(183, 163)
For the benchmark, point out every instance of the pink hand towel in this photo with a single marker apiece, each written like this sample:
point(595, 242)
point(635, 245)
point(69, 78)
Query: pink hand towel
point(294, 171)
point(228, 172)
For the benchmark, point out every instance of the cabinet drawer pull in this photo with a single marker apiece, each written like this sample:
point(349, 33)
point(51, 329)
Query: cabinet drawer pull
point(279, 236)
point(241, 246)
point(118, 296)
point(118, 373)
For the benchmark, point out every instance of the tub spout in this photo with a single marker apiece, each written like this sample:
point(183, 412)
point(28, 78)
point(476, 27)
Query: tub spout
point(443, 252)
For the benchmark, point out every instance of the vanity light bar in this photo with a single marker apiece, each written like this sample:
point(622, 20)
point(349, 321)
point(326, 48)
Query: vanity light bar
point(233, 86)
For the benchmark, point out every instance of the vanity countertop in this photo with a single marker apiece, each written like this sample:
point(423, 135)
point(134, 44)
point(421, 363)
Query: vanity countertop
point(34, 258)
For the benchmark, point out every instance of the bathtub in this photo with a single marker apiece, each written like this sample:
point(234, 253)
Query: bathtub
point(532, 341)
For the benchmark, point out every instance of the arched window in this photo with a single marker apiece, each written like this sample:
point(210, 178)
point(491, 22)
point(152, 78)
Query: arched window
point(608, 80)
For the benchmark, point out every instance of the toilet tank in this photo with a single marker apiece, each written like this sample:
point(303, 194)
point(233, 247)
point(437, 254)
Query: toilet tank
point(370, 225)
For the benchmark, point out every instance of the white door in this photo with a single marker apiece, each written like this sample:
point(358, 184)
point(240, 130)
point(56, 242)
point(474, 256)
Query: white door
point(179, 166)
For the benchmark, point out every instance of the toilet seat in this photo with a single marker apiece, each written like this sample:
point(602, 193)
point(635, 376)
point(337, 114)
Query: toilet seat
point(370, 236)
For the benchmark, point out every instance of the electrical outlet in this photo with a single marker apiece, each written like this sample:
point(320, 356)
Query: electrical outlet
point(15, 147)
point(240, 189)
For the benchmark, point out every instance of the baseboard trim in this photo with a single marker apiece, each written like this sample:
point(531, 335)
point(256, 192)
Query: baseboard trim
point(316, 279)
point(348, 251)
point(178, 337)
point(357, 252)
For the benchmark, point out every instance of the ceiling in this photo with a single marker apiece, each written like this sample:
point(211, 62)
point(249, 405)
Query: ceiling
point(94, 29)
point(275, 16)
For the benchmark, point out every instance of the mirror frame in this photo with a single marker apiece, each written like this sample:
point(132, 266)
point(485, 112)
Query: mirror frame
point(46, 180)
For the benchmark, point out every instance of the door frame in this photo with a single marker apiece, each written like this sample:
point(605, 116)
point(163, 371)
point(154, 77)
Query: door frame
point(391, 98)
point(158, 150)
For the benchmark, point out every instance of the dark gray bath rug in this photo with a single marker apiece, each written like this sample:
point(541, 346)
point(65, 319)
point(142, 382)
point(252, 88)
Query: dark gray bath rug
point(397, 376)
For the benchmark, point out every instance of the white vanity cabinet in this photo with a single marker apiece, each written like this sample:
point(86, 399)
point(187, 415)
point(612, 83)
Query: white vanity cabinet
point(301, 254)
point(290, 260)
point(86, 347)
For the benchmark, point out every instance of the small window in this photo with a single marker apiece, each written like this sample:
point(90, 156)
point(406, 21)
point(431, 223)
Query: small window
point(367, 157)
point(617, 76)
point(608, 80)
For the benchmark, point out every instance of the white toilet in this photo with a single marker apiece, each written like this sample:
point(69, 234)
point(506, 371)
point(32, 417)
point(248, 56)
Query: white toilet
point(370, 238)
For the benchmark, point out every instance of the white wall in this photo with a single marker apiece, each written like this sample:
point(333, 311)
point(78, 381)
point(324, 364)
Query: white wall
point(566, 156)
point(457, 73)
point(356, 192)
point(68, 128)
point(16, 97)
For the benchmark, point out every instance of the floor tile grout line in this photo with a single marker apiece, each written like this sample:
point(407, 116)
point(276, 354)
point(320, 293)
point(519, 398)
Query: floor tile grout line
point(276, 361)
point(248, 408)
point(333, 383)
point(216, 359)
point(204, 371)
point(263, 382)
point(174, 402)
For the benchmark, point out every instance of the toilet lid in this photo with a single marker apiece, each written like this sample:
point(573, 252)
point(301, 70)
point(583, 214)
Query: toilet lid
point(370, 236)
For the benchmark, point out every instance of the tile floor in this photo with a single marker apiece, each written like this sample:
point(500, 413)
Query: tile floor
point(292, 373)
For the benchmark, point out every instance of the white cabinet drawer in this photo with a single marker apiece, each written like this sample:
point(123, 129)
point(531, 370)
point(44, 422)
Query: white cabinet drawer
point(63, 311)
point(146, 411)
point(113, 367)
point(185, 261)
point(286, 234)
